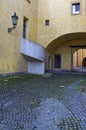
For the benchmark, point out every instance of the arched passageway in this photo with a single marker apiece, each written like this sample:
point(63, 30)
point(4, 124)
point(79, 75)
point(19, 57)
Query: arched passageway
point(67, 52)
point(79, 60)
point(84, 62)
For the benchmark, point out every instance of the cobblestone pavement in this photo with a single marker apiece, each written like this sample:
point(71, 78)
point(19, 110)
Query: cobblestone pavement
point(43, 107)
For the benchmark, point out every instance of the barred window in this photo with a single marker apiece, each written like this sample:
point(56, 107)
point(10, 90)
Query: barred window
point(75, 8)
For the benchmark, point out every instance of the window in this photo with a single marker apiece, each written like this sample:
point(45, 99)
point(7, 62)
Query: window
point(58, 61)
point(46, 22)
point(76, 8)
point(24, 27)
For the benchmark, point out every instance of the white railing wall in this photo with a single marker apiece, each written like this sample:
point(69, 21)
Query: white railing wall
point(32, 49)
point(37, 53)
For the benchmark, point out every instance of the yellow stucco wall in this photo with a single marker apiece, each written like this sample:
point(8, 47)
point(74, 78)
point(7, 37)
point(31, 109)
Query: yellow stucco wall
point(61, 20)
point(11, 59)
point(64, 27)
point(54, 37)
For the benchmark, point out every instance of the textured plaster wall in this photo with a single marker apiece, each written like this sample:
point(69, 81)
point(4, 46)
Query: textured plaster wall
point(10, 43)
point(61, 20)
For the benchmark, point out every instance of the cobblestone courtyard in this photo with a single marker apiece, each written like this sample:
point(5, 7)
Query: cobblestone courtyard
point(49, 102)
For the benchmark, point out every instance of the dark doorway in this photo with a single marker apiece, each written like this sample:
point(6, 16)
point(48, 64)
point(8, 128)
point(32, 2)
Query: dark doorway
point(49, 62)
point(58, 61)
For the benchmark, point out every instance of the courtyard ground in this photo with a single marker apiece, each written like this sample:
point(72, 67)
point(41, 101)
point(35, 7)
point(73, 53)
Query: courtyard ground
point(54, 101)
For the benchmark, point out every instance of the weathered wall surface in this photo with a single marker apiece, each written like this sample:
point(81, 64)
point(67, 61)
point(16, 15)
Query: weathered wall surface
point(61, 19)
point(10, 43)
point(61, 22)
point(58, 35)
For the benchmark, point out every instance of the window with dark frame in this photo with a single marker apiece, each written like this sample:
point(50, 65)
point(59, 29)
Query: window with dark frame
point(76, 8)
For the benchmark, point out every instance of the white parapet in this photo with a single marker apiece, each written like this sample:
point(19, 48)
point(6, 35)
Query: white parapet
point(32, 49)
point(37, 53)
point(36, 67)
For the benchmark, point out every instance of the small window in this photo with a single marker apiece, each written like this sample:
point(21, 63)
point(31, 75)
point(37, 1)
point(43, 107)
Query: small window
point(46, 22)
point(76, 8)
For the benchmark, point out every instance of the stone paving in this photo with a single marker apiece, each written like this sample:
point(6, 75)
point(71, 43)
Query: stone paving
point(40, 107)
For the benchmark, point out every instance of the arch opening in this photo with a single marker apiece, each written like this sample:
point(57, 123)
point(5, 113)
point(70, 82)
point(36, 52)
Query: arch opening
point(84, 62)
point(79, 60)
point(72, 50)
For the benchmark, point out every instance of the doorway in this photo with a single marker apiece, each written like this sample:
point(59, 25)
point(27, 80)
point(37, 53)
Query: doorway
point(57, 60)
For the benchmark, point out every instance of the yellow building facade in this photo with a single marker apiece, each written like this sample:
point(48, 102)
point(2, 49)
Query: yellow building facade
point(57, 26)
point(11, 60)
point(65, 34)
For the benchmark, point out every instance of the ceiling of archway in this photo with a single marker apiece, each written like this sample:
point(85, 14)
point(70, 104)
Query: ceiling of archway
point(63, 39)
